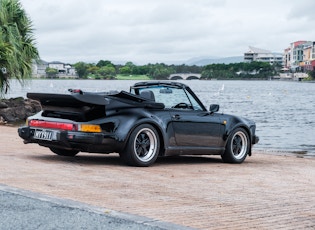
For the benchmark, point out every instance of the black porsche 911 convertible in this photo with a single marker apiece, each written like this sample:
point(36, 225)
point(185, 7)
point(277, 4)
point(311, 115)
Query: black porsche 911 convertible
point(153, 119)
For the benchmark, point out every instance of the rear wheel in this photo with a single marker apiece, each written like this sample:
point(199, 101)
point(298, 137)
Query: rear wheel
point(237, 146)
point(142, 147)
point(64, 152)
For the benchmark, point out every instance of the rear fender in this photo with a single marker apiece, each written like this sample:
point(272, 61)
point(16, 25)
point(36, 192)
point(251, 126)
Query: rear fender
point(133, 124)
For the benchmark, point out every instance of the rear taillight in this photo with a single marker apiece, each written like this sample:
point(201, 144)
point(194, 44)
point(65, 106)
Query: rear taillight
point(53, 125)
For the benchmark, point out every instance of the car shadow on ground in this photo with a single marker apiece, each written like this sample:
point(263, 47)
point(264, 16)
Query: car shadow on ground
point(114, 159)
point(188, 160)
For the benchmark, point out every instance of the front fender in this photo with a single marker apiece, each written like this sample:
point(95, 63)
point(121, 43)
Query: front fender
point(234, 122)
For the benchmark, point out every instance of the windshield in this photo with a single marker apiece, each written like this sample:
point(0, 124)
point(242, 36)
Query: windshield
point(176, 98)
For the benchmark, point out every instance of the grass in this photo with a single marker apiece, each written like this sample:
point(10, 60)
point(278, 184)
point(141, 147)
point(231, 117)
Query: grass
point(132, 77)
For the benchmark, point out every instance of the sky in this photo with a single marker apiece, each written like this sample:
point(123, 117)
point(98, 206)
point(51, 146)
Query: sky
point(165, 31)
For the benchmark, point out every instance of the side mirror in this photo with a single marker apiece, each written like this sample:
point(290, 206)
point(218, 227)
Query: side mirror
point(214, 108)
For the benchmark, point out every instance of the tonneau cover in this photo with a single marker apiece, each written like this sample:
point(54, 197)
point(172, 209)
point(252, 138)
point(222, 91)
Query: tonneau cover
point(77, 100)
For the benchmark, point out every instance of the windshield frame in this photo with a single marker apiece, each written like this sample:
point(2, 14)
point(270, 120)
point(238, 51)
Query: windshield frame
point(196, 104)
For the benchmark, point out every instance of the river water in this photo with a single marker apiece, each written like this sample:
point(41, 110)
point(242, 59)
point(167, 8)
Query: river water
point(284, 111)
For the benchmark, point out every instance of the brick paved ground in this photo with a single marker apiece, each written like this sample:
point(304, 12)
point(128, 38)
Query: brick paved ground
point(265, 192)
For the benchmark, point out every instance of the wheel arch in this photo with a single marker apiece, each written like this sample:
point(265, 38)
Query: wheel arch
point(247, 129)
point(156, 126)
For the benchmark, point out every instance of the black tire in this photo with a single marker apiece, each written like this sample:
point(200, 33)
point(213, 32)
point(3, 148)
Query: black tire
point(142, 147)
point(237, 147)
point(64, 152)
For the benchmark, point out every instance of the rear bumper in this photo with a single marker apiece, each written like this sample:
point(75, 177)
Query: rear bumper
point(81, 141)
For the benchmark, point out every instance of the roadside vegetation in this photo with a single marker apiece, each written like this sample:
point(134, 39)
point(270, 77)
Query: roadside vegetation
point(311, 76)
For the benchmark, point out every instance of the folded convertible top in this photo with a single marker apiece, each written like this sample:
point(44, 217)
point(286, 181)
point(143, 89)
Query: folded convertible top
point(80, 98)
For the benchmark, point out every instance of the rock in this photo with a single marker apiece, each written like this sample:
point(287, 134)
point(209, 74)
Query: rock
point(3, 105)
point(2, 121)
point(17, 109)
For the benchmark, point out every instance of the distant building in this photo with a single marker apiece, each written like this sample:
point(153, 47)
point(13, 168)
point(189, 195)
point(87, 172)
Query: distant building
point(286, 58)
point(39, 68)
point(298, 60)
point(299, 56)
point(58, 66)
point(257, 54)
point(64, 70)
point(308, 62)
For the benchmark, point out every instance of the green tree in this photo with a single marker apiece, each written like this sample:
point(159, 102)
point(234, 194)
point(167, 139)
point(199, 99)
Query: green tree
point(142, 70)
point(17, 45)
point(239, 70)
point(125, 70)
point(93, 69)
point(131, 66)
point(160, 71)
point(102, 63)
point(51, 72)
point(82, 69)
point(129, 69)
point(107, 72)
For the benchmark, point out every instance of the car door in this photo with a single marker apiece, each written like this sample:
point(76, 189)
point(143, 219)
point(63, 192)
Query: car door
point(196, 128)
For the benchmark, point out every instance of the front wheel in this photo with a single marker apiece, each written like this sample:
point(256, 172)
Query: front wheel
point(64, 152)
point(142, 147)
point(237, 147)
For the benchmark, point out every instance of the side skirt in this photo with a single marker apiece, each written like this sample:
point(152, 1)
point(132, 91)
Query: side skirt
point(173, 151)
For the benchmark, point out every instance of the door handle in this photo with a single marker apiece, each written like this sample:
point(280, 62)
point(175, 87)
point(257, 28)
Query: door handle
point(176, 117)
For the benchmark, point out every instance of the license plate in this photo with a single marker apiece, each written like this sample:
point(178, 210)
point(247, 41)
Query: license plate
point(43, 134)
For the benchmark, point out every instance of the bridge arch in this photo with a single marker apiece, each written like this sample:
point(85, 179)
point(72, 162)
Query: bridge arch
point(176, 77)
point(192, 77)
point(184, 76)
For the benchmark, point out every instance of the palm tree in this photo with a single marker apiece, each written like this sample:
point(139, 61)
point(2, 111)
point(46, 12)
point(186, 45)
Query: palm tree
point(17, 45)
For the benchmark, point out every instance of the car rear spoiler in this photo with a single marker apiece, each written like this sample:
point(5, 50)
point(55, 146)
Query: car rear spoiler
point(68, 100)
point(79, 99)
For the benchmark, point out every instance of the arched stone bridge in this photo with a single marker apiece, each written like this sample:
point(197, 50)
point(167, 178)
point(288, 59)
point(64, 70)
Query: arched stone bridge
point(184, 76)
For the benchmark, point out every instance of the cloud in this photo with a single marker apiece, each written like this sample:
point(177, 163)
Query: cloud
point(146, 31)
point(302, 10)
